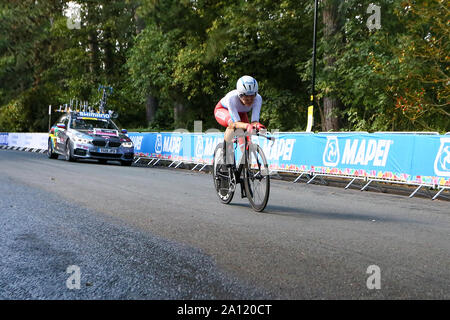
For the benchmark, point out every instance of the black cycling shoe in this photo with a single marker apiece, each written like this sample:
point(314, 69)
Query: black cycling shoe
point(243, 193)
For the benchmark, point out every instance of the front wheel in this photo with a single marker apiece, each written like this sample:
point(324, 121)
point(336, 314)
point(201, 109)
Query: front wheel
point(50, 153)
point(68, 152)
point(223, 177)
point(256, 177)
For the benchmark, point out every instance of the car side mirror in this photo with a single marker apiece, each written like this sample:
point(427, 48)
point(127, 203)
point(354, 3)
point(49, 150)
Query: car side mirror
point(61, 126)
point(124, 131)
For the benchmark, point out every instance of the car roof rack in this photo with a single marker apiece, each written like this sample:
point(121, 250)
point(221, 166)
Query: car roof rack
point(83, 107)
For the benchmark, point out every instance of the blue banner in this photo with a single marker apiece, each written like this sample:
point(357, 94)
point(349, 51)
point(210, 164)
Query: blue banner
point(410, 158)
point(3, 138)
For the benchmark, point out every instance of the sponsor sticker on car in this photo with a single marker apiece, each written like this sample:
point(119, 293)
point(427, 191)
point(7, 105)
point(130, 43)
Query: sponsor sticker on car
point(106, 132)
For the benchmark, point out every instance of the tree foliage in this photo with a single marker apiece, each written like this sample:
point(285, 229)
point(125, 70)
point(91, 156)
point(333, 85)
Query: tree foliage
point(187, 54)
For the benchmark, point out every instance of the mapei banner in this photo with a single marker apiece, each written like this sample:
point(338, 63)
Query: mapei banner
point(186, 147)
point(411, 158)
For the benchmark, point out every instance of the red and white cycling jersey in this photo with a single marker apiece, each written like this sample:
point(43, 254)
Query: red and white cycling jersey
point(234, 105)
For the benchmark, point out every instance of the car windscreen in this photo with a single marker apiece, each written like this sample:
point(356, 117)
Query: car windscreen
point(89, 124)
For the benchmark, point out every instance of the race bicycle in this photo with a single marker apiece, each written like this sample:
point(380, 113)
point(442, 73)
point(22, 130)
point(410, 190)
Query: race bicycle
point(251, 172)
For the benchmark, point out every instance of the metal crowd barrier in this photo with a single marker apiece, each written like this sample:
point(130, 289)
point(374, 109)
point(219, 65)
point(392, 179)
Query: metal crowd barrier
point(366, 182)
point(154, 160)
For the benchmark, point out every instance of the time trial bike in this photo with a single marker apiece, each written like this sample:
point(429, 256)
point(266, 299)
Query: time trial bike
point(251, 172)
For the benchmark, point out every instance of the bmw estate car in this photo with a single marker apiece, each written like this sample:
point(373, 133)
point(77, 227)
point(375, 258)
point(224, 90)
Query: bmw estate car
point(88, 135)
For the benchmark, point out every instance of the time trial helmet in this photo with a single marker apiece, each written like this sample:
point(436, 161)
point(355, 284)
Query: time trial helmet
point(247, 86)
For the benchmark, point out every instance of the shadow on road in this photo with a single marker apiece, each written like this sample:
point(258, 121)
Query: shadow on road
point(333, 214)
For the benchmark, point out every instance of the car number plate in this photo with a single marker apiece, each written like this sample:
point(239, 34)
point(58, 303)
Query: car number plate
point(105, 150)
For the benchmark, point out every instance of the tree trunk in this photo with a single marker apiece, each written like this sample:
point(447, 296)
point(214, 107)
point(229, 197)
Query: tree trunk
point(331, 119)
point(178, 111)
point(109, 51)
point(151, 104)
point(92, 41)
point(138, 22)
point(93, 53)
point(331, 105)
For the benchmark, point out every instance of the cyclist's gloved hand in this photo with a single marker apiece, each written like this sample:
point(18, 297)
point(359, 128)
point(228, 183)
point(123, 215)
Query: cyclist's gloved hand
point(249, 128)
point(260, 127)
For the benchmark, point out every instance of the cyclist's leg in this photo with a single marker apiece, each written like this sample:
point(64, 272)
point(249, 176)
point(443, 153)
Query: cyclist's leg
point(244, 118)
point(223, 117)
point(229, 148)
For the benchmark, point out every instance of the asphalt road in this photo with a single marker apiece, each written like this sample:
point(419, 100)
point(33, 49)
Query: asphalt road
point(158, 233)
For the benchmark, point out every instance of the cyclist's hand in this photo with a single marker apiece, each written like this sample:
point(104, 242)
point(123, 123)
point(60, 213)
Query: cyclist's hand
point(260, 127)
point(249, 128)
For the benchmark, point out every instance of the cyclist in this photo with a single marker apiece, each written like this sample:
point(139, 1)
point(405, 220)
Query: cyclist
point(231, 112)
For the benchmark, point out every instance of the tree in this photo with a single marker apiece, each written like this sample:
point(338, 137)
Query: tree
point(390, 78)
point(332, 37)
point(25, 59)
point(171, 61)
point(267, 40)
point(421, 90)
point(166, 62)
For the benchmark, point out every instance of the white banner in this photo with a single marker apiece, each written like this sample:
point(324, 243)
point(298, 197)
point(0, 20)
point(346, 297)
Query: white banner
point(28, 140)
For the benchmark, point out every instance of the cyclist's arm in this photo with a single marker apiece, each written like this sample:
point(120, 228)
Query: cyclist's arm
point(238, 125)
point(256, 110)
point(235, 121)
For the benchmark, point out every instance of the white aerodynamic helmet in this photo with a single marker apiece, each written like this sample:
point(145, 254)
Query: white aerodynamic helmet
point(247, 85)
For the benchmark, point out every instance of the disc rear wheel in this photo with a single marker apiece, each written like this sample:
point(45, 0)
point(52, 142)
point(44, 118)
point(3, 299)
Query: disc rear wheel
point(223, 177)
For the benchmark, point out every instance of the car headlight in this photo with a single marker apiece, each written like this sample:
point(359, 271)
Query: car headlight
point(82, 139)
point(127, 144)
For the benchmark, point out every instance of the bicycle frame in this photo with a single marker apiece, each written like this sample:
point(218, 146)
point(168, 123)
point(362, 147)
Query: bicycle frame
point(248, 171)
point(239, 169)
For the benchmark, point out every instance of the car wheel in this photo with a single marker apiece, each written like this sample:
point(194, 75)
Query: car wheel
point(68, 152)
point(50, 152)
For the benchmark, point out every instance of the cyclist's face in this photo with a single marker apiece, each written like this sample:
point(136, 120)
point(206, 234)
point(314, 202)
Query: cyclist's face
point(247, 100)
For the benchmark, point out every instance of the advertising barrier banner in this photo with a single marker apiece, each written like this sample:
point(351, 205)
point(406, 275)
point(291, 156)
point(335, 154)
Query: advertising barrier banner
point(186, 147)
point(3, 138)
point(410, 158)
point(27, 140)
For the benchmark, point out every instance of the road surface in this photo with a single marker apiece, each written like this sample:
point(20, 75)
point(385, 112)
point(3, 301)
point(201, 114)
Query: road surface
point(161, 233)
